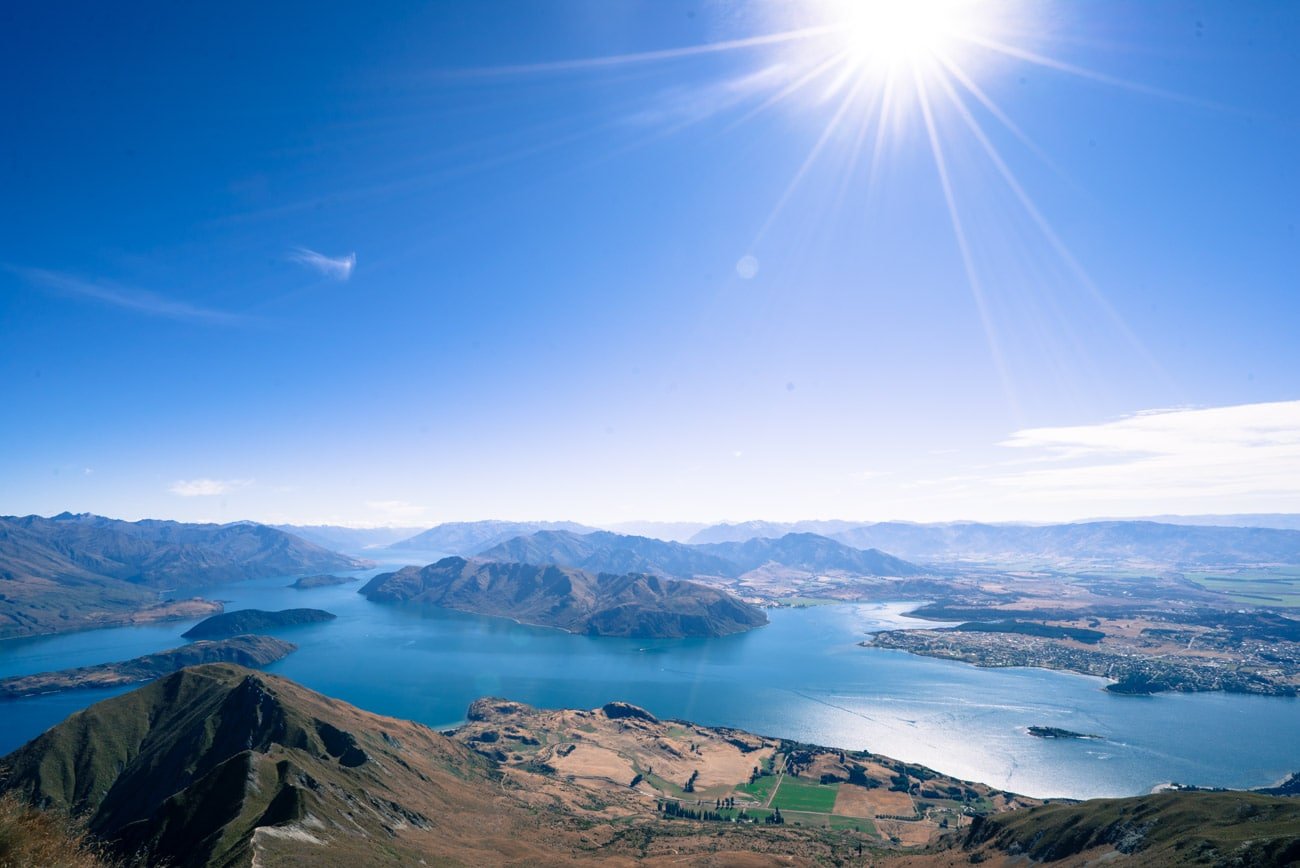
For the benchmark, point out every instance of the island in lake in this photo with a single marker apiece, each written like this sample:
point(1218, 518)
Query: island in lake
point(1057, 732)
point(581, 602)
point(251, 651)
point(254, 621)
point(324, 581)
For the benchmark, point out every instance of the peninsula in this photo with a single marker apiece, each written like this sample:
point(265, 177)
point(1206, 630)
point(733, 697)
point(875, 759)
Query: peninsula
point(251, 651)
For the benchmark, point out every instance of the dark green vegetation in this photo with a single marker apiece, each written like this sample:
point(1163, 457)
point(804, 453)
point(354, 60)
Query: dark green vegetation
point(253, 621)
point(618, 553)
point(1029, 628)
point(1056, 732)
point(1184, 828)
point(308, 582)
point(1257, 586)
point(573, 600)
point(251, 651)
point(72, 572)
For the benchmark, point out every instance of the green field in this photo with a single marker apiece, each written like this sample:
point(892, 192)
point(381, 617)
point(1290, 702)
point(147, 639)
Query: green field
point(1278, 586)
point(797, 795)
point(761, 788)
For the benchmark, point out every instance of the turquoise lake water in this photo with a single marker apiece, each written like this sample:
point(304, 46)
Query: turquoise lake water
point(803, 676)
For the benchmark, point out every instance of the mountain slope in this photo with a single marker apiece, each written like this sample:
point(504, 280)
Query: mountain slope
point(74, 571)
point(1180, 828)
point(1126, 541)
point(571, 599)
point(607, 552)
point(747, 530)
point(217, 764)
point(811, 552)
point(466, 538)
point(169, 553)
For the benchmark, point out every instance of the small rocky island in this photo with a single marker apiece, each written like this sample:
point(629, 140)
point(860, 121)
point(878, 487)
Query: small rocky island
point(253, 621)
point(602, 604)
point(323, 581)
point(253, 651)
point(1056, 732)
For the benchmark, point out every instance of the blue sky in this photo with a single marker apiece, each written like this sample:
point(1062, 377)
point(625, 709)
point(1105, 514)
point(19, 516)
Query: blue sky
point(616, 260)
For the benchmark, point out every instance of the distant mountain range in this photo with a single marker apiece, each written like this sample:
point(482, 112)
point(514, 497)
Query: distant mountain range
point(1109, 541)
point(571, 599)
point(1276, 520)
point(353, 540)
point(72, 571)
point(1170, 541)
point(1125, 541)
point(669, 531)
point(602, 551)
point(812, 553)
point(747, 530)
point(467, 538)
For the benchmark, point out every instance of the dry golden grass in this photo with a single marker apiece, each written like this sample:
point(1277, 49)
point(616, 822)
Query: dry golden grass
point(29, 837)
point(851, 801)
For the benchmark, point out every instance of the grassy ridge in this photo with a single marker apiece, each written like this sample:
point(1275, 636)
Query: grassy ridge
point(1233, 828)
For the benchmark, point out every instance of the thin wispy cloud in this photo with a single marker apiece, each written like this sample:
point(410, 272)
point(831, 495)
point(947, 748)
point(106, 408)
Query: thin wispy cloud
point(1246, 449)
point(334, 267)
point(207, 487)
point(1244, 458)
point(127, 297)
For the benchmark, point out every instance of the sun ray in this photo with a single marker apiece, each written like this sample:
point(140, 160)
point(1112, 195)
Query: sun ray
point(1083, 72)
point(1058, 246)
point(789, 90)
point(831, 126)
point(882, 123)
point(963, 246)
point(994, 109)
point(768, 39)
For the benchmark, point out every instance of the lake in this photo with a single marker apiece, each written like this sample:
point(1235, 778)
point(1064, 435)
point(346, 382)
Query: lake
point(803, 677)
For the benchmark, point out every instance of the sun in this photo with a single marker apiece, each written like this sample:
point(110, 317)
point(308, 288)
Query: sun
point(892, 33)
